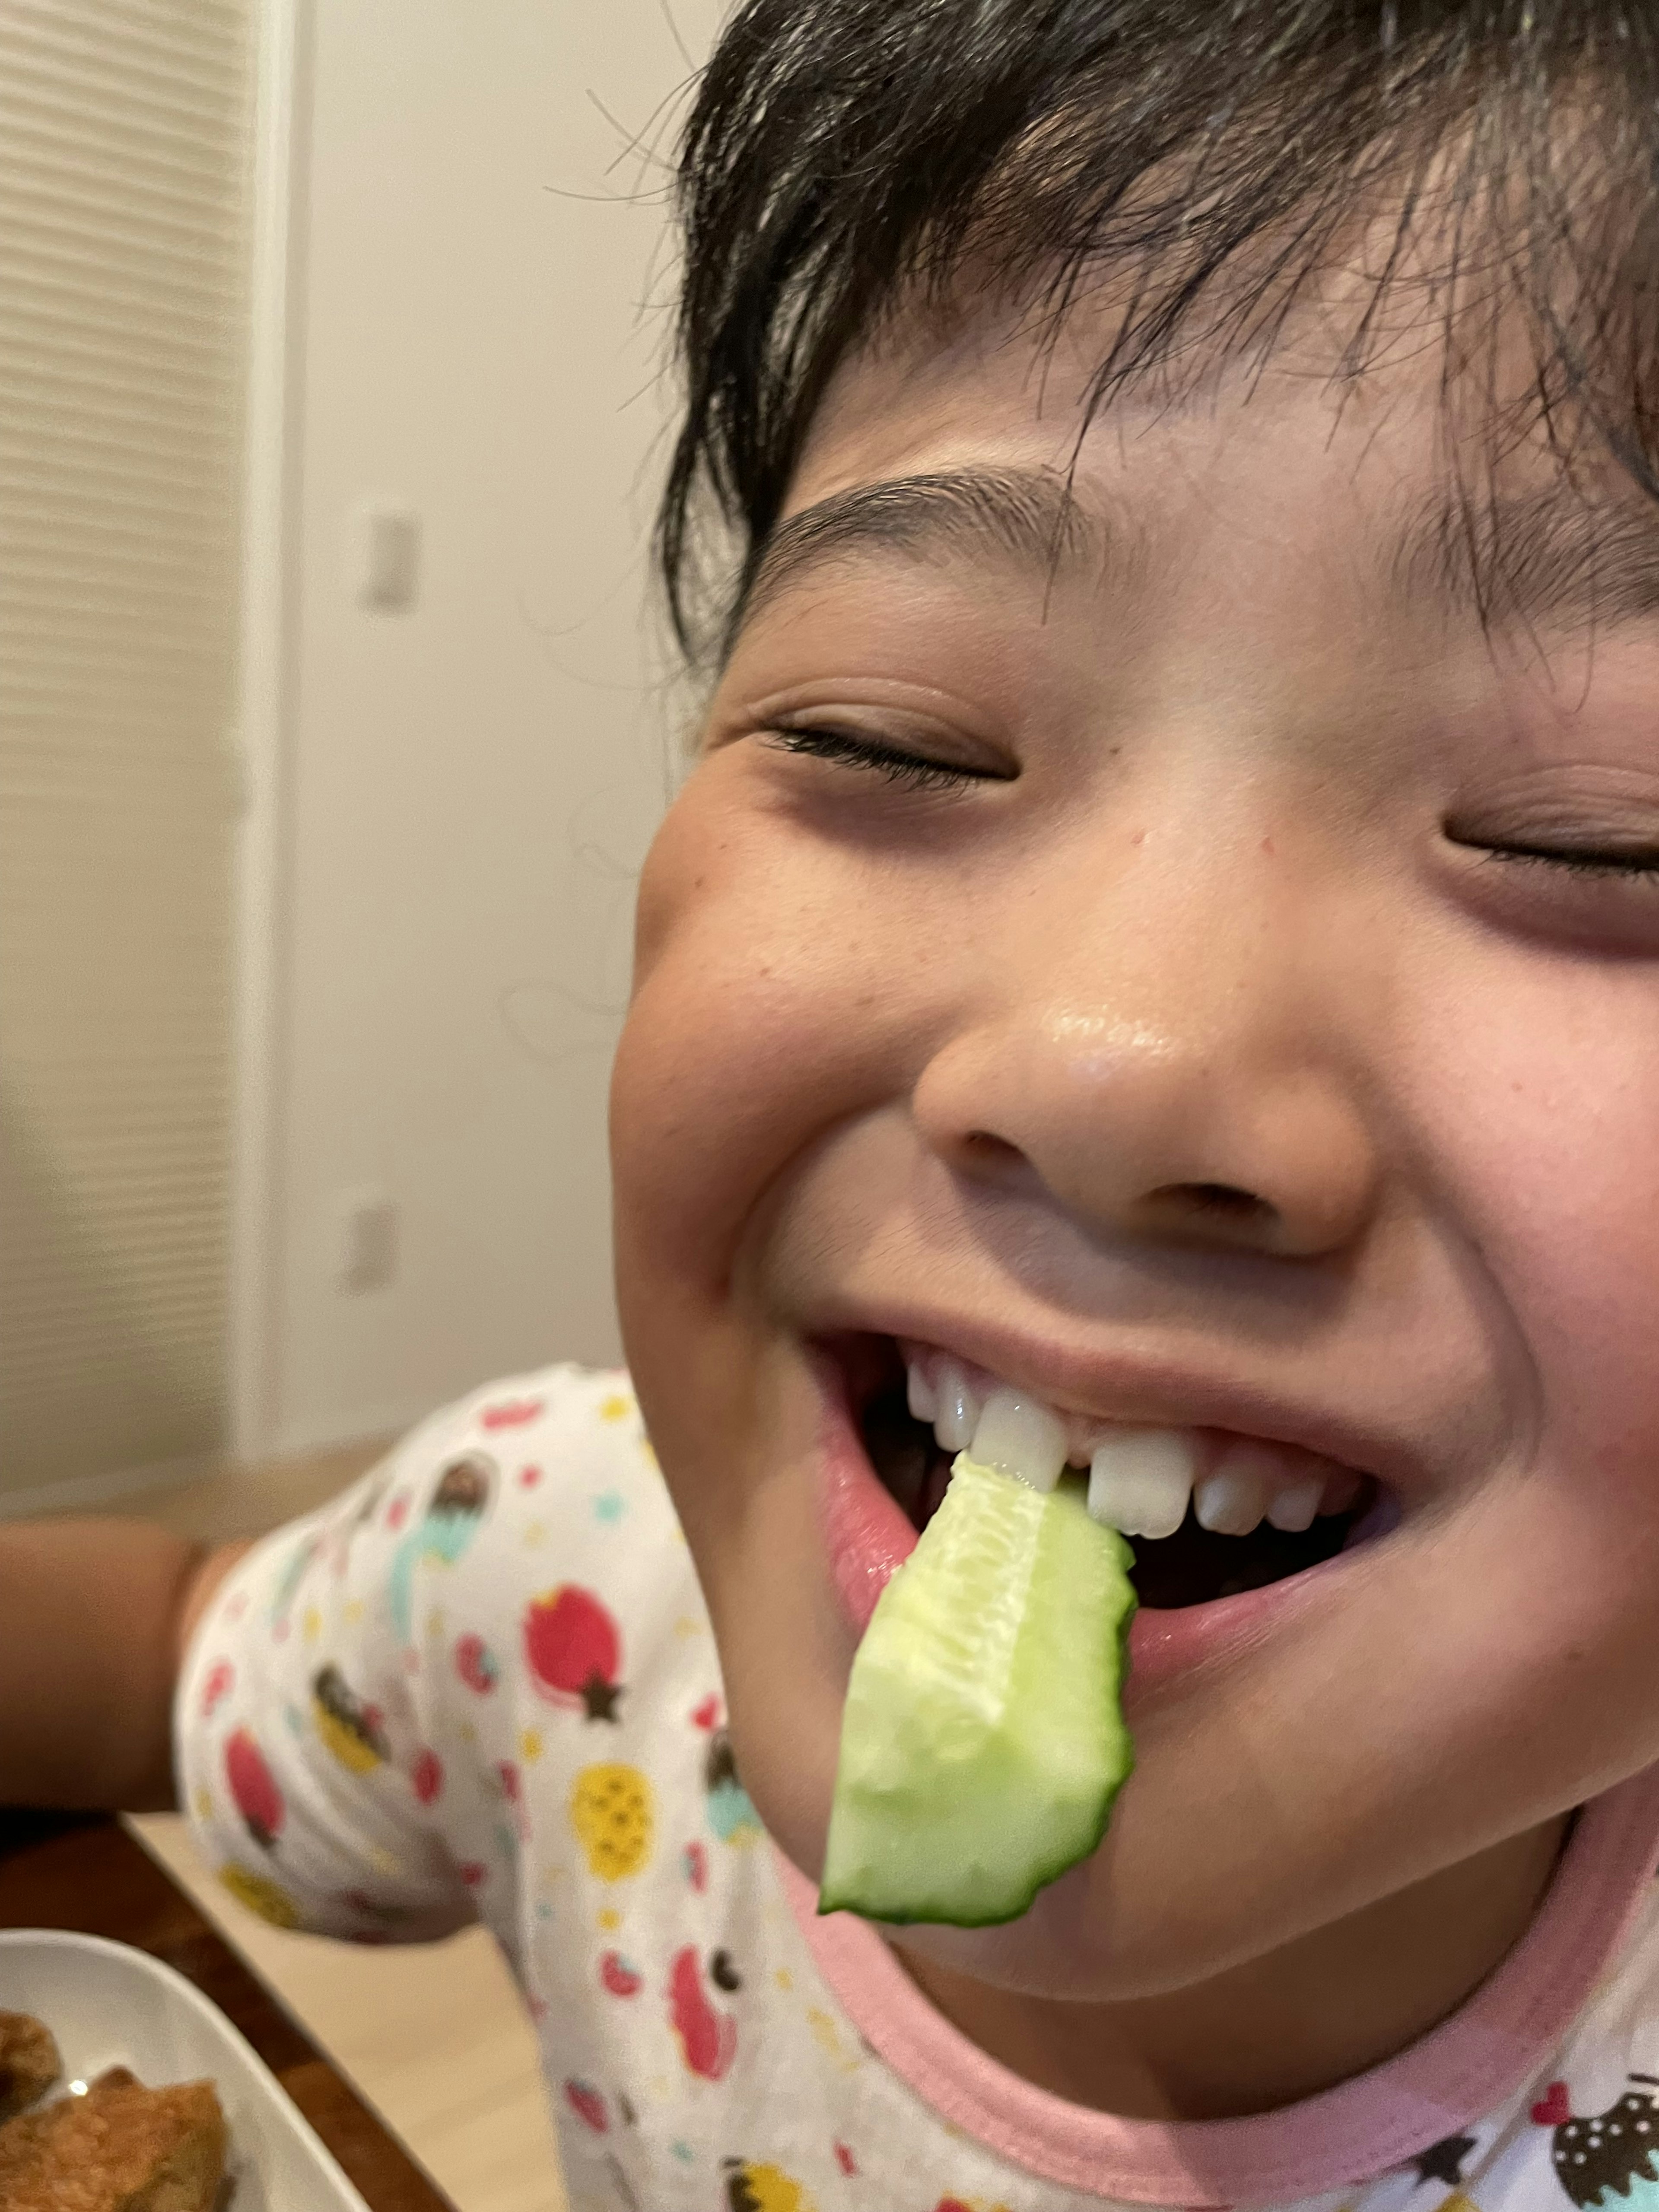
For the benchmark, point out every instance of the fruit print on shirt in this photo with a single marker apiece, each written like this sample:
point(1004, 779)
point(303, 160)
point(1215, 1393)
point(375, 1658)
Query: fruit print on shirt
point(764, 2188)
point(707, 2039)
point(263, 1897)
point(612, 1814)
point(445, 1531)
point(253, 1788)
point(730, 1814)
point(573, 1648)
point(1609, 2156)
point(351, 1728)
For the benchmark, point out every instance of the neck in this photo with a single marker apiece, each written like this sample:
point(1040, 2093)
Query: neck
point(1285, 2025)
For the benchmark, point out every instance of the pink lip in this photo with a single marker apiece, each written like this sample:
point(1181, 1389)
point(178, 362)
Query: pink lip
point(868, 1537)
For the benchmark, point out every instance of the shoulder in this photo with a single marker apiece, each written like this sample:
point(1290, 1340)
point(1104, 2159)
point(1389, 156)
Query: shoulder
point(553, 1440)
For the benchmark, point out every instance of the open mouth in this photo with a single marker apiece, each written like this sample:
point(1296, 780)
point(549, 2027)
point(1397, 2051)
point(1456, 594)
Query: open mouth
point(1207, 1514)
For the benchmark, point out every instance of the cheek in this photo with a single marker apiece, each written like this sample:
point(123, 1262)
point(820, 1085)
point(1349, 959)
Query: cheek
point(768, 1008)
point(1547, 1097)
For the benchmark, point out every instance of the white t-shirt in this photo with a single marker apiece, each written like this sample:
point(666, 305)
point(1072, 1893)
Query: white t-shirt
point(481, 1685)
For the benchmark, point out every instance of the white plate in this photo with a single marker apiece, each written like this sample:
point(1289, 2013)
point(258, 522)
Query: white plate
point(109, 2005)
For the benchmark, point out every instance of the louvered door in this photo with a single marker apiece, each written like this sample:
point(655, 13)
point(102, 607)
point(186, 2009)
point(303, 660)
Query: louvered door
point(123, 162)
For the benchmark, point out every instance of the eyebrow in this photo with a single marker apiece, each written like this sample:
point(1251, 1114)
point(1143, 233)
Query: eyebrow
point(1028, 515)
point(1557, 558)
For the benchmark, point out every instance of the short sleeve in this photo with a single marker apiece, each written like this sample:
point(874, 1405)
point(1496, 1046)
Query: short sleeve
point(303, 1737)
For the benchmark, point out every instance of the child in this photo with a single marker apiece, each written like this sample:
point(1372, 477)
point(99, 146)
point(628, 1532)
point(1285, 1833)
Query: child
point(1162, 932)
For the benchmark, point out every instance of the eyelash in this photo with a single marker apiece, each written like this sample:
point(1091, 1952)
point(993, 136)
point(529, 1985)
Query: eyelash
point(909, 771)
point(1601, 867)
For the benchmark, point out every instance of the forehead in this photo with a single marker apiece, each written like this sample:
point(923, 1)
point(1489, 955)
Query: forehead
point(985, 445)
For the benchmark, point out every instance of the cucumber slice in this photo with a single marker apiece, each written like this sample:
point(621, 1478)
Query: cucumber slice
point(983, 1742)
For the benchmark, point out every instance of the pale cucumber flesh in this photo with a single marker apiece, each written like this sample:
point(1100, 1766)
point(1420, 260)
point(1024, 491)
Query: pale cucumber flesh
point(983, 1741)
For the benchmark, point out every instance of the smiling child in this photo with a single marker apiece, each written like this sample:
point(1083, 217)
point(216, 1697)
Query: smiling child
point(1158, 946)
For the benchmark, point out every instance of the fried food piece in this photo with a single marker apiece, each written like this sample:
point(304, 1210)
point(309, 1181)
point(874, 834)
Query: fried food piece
point(29, 2061)
point(119, 2149)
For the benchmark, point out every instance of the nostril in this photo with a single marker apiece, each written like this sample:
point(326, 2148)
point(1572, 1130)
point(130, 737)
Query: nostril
point(1220, 1201)
point(993, 1151)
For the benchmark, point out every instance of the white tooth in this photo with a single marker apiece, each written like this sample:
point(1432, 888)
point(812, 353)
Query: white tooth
point(958, 1408)
point(1140, 1479)
point(1293, 1508)
point(1022, 1437)
point(922, 1397)
point(1230, 1502)
point(1341, 1491)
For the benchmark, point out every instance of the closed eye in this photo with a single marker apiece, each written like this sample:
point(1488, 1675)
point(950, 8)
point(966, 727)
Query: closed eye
point(1638, 864)
point(874, 756)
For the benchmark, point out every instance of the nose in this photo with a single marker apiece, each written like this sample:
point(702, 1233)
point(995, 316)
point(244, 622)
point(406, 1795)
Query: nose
point(1178, 1085)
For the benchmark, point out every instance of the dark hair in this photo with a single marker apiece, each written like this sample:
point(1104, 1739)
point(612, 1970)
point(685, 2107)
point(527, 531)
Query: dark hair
point(845, 159)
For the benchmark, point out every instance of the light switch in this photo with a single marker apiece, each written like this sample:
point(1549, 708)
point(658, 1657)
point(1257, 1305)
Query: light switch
point(365, 1241)
point(385, 556)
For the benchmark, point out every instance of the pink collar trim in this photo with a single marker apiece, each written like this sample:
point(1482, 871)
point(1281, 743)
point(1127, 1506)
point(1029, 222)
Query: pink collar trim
point(1461, 2070)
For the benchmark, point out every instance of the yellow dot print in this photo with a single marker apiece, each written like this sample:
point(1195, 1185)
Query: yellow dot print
point(204, 1804)
point(608, 1919)
point(530, 1745)
point(616, 1409)
point(312, 1626)
point(611, 1813)
point(768, 2189)
point(260, 1894)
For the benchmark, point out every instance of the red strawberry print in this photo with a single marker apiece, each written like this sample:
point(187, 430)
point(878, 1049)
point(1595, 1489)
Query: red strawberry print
point(708, 2039)
point(618, 1976)
point(512, 1414)
point(398, 1512)
point(217, 1687)
point(1554, 2108)
point(584, 2100)
point(475, 1663)
point(529, 1477)
point(573, 1650)
point(707, 1715)
point(953, 2204)
point(507, 1773)
point(697, 1867)
point(257, 1797)
point(428, 1777)
point(472, 1872)
point(845, 2159)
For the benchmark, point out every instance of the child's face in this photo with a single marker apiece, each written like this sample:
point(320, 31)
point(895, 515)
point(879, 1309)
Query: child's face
point(1196, 1065)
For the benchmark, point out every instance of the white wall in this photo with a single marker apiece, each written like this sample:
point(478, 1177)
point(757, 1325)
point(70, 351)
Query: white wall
point(469, 784)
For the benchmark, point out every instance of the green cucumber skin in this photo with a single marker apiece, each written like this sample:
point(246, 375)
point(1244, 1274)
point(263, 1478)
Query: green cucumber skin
point(966, 1731)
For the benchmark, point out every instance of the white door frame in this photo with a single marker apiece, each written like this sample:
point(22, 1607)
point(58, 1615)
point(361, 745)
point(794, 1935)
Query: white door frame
point(262, 881)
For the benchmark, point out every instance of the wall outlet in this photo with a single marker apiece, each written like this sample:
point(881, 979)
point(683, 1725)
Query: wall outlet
point(365, 1241)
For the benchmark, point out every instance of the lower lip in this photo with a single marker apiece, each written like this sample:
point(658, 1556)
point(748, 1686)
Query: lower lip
point(869, 1537)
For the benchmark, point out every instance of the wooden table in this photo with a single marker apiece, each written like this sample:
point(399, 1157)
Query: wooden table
point(87, 1873)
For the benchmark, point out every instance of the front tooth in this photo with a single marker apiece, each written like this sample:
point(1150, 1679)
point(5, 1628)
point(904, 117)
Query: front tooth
point(920, 1394)
point(1230, 1502)
point(958, 1408)
point(1293, 1508)
point(1022, 1437)
point(1140, 1480)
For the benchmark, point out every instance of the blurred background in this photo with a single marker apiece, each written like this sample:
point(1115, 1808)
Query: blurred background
point(334, 713)
point(334, 717)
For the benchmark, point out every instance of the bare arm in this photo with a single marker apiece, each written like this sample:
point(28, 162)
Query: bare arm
point(94, 1617)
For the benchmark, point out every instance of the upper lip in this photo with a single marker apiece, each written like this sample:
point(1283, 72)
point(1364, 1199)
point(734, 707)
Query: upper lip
point(1136, 1387)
